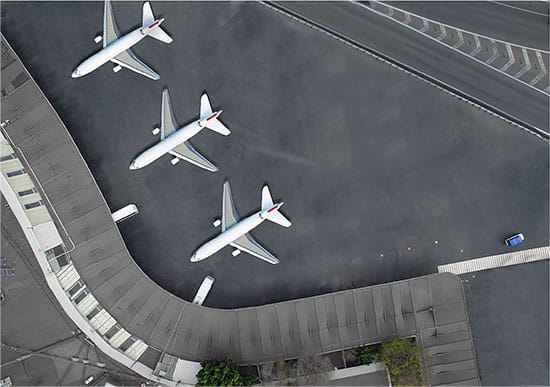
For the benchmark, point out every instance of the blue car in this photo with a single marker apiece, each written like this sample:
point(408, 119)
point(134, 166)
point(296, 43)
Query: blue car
point(514, 240)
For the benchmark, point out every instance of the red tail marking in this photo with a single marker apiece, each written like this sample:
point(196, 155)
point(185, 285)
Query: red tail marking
point(154, 24)
point(273, 208)
point(212, 116)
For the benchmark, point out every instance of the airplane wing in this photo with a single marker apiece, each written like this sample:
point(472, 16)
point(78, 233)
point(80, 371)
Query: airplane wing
point(110, 29)
point(247, 244)
point(128, 60)
point(168, 124)
point(230, 216)
point(186, 152)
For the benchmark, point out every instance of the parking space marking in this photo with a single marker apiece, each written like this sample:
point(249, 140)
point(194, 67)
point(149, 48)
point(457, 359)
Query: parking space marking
point(407, 19)
point(494, 261)
point(527, 66)
point(479, 40)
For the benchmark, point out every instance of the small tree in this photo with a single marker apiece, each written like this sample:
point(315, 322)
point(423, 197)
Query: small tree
point(402, 357)
point(222, 373)
point(364, 354)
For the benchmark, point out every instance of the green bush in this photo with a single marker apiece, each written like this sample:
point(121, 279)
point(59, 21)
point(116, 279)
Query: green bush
point(402, 356)
point(365, 354)
point(222, 373)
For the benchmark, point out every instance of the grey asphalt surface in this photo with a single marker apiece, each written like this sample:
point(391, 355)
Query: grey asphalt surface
point(33, 322)
point(492, 19)
point(368, 160)
point(508, 310)
point(432, 58)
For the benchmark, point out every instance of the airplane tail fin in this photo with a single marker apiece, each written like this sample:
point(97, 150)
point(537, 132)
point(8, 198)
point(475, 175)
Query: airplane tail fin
point(274, 215)
point(212, 123)
point(267, 199)
point(148, 17)
point(153, 29)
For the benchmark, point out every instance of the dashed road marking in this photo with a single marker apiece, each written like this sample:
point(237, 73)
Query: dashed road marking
point(476, 50)
point(542, 72)
point(527, 66)
point(443, 33)
point(495, 53)
point(425, 26)
point(511, 59)
point(460, 39)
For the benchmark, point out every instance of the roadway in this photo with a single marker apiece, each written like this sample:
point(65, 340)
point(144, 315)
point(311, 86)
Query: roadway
point(526, 26)
point(409, 47)
point(374, 165)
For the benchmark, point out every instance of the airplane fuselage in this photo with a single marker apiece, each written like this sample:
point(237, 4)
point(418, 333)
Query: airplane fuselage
point(107, 53)
point(166, 145)
point(228, 236)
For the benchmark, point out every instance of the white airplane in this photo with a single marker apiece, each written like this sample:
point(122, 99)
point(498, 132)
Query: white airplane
point(174, 141)
point(235, 232)
point(116, 48)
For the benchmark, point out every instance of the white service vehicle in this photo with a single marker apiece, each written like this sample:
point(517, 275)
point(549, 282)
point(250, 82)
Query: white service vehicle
point(116, 48)
point(204, 289)
point(125, 213)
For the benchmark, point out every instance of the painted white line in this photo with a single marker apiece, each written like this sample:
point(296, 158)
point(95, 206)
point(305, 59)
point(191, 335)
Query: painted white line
point(476, 50)
point(452, 48)
point(443, 33)
point(460, 39)
point(494, 261)
point(542, 72)
point(527, 66)
point(495, 53)
point(520, 9)
point(425, 26)
point(511, 59)
point(455, 28)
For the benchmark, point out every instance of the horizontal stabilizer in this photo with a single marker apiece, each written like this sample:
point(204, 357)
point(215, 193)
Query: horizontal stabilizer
point(159, 34)
point(217, 126)
point(277, 217)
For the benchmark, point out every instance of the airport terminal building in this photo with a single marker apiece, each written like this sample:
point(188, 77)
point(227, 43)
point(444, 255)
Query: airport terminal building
point(88, 268)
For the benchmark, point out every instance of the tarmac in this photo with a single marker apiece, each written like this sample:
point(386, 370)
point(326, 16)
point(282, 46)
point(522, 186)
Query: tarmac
point(383, 176)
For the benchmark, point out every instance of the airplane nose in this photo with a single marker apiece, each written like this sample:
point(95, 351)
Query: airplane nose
point(133, 165)
point(194, 257)
point(75, 74)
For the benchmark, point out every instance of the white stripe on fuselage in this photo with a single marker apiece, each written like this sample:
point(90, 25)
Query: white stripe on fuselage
point(112, 50)
point(167, 144)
